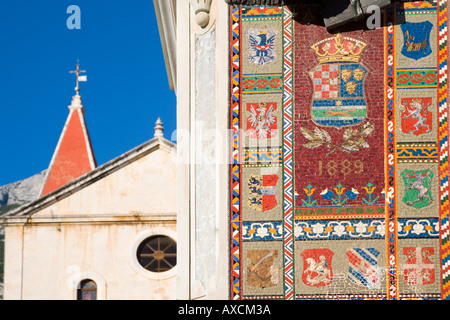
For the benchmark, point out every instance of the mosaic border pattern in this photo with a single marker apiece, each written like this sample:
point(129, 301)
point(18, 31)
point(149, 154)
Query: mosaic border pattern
point(390, 157)
point(235, 246)
point(443, 131)
point(288, 157)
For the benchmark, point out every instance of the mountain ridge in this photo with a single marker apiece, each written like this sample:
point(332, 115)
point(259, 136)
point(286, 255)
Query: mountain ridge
point(15, 194)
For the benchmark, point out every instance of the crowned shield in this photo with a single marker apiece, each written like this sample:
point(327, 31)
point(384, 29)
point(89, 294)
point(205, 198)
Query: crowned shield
point(338, 82)
point(418, 268)
point(317, 270)
point(363, 267)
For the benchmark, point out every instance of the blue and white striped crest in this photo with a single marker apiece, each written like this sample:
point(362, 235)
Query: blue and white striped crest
point(363, 267)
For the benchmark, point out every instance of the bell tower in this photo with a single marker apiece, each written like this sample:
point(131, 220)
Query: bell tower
point(73, 156)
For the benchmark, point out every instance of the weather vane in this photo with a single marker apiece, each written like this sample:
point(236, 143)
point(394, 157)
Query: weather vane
point(80, 78)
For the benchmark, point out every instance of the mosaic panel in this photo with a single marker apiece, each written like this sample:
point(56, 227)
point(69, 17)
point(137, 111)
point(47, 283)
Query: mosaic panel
point(339, 150)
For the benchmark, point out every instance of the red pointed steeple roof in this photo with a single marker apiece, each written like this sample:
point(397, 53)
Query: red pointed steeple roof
point(73, 156)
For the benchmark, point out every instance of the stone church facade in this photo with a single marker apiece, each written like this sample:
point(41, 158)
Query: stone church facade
point(100, 232)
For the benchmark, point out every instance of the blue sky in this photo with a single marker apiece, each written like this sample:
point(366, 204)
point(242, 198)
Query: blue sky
point(127, 89)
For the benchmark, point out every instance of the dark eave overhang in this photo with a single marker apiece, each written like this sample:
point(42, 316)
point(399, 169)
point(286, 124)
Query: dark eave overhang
point(261, 2)
point(333, 13)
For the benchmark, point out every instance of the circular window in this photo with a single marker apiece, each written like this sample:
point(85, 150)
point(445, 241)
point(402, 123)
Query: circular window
point(157, 253)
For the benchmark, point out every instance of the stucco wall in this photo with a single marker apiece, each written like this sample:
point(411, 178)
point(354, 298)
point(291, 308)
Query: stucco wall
point(53, 259)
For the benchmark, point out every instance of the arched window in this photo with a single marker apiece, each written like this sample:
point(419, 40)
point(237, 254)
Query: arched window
point(87, 290)
point(157, 253)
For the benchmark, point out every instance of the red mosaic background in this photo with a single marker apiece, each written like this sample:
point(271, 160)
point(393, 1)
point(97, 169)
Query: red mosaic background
point(355, 169)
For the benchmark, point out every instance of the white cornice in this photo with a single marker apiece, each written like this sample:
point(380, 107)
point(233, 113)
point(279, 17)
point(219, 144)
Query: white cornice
point(92, 219)
point(165, 11)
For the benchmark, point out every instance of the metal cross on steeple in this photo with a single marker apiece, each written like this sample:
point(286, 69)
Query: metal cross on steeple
point(79, 78)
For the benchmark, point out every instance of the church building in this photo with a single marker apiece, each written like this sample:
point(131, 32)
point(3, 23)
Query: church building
point(96, 232)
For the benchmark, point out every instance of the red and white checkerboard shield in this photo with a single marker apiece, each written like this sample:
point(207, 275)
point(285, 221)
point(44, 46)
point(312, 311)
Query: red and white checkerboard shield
point(326, 81)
